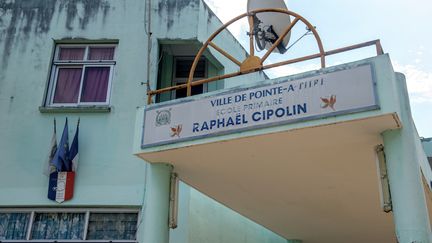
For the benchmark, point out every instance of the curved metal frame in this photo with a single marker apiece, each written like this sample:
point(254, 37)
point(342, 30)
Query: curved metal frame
point(254, 63)
point(255, 68)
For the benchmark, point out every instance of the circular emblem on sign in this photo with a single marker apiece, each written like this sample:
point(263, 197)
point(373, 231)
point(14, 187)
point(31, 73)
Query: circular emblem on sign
point(163, 117)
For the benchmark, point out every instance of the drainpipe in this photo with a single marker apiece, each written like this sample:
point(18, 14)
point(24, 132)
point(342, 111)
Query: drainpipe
point(153, 226)
point(149, 41)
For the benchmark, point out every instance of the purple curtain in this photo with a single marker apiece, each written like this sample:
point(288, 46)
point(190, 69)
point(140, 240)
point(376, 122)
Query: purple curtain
point(101, 53)
point(95, 84)
point(71, 53)
point(68, 84)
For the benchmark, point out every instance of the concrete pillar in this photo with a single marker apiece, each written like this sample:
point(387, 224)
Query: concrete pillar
point(153, 227)
point(406, 187)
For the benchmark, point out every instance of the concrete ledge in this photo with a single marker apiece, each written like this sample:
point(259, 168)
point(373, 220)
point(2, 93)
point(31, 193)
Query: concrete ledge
point(80, 109)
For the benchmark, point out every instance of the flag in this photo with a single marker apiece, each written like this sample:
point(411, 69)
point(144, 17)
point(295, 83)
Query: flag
point(61, 157)
point(73, 152)
point(49, 166)
point(61, 181)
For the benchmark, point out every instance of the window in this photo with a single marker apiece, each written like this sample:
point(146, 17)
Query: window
point(53, 226)
point(77, 225)
point(112, 226)
point(182, 66)
point(174, 63)
point(13, 226)
point(81, 75)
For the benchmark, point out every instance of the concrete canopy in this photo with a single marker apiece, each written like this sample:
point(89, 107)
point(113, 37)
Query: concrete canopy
point(317, 183)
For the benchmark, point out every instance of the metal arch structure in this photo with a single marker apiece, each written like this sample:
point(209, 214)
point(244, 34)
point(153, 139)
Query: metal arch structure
point(254, 63)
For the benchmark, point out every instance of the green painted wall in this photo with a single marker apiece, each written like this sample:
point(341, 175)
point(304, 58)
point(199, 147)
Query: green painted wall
point(405, 162)
point(109, 174)
point(214, 223)
point(211, 222)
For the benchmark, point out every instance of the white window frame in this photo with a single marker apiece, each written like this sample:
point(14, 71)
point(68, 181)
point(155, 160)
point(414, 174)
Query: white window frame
point(85, 211)
point(85, 63)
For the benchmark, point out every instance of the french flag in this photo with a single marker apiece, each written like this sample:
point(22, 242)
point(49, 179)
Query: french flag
point(61, 181)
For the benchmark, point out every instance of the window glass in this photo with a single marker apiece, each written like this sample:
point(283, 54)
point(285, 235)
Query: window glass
point(95, 84)
point(112, 226)
point(174, 64)
point(71, 53)
point(68, 85)
point(101, 53)
point(64, 226)
point(13, 226)
point(197, 89)
point(183, 67)
point(77, 79)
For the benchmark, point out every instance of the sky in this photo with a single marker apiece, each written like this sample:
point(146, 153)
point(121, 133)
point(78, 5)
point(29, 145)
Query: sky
point(404, 28)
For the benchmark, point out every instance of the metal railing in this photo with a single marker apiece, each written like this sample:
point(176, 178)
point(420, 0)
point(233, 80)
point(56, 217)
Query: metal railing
point(253, 63)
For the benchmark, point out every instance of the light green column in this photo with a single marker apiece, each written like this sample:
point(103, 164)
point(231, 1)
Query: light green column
point(408, 199)
point(153, 227)
point(294, 241)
